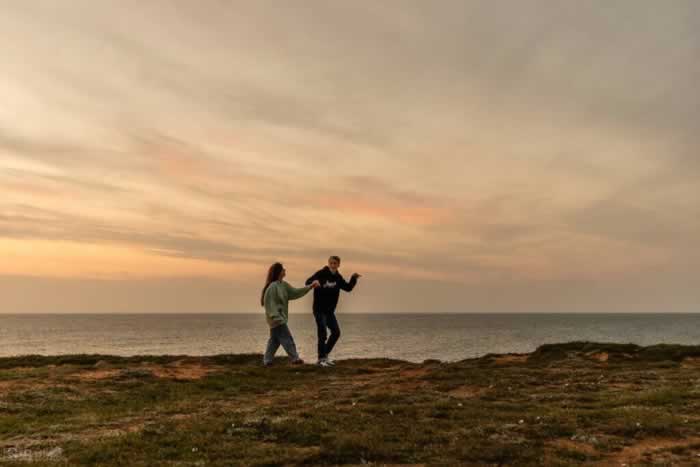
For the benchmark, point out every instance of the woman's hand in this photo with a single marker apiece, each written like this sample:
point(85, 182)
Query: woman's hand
point(315, 284)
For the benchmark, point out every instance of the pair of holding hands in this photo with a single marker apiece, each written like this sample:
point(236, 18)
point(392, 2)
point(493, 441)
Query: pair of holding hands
point(316, 284)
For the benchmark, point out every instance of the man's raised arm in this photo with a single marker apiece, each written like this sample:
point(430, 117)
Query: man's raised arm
point(348, 286)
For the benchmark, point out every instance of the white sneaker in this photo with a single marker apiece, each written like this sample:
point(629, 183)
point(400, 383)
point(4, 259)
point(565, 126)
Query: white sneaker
point(324, 363)
point(330, 361)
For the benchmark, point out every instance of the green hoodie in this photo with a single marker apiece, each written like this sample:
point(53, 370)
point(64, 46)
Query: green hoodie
point(276, 301)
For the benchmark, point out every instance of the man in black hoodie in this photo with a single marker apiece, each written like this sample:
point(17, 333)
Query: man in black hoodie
point(325, 301)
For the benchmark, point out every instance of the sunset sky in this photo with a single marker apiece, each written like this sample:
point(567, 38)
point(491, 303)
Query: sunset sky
point(464, 156)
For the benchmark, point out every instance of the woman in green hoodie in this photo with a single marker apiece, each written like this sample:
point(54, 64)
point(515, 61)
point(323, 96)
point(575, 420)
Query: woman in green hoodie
point(275, 298)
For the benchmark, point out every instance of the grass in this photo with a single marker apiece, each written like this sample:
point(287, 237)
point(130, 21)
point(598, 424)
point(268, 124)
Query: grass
point(565, 404)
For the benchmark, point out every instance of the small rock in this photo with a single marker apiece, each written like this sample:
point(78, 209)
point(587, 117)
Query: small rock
point(55, 452)
point(585, 438)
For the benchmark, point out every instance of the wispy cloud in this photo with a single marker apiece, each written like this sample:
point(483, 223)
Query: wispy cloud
point(463, 144)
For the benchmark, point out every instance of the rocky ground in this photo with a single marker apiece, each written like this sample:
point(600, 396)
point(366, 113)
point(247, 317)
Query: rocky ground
point(565, 404)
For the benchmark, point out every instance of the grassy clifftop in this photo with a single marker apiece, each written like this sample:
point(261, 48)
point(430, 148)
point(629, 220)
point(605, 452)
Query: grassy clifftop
point(563, 404)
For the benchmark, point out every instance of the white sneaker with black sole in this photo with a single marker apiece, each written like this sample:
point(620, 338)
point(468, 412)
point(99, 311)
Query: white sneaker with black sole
point(330, 361)
point(324, 363)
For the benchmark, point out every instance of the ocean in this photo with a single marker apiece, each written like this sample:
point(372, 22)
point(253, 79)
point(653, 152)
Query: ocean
point(412, 337)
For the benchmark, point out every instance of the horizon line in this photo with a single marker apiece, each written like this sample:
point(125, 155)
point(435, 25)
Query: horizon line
point(165, 313)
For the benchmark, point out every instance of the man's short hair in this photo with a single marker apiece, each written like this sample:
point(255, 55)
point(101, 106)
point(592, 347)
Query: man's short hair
point(336, 258)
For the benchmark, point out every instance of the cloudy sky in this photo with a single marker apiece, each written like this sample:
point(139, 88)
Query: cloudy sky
point(474, 156)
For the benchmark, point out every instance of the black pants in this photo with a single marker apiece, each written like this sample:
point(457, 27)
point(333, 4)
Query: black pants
point(326, 320)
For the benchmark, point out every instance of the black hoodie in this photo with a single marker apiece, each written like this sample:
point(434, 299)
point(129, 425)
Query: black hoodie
point(326, 296)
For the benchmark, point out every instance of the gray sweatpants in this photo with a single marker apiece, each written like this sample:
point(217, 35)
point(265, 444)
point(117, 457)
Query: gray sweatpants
point(280, 335)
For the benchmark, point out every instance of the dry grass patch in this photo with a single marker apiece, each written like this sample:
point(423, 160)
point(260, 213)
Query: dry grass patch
point(98, 374)
point(601, 357)
point(467, 392)
point(510, 359)
point(643, 449)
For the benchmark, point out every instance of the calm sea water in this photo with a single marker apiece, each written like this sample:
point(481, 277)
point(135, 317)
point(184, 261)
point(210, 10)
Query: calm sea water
point(408, 337)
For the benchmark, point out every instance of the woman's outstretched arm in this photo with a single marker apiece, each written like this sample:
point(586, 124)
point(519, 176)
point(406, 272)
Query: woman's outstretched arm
point(293, 293)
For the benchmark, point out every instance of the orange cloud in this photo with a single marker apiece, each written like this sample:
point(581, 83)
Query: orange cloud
point(404, 214)
point(372, 197)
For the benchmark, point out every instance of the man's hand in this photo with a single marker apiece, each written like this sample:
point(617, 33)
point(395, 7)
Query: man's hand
point(315, 284)
point(356, 276)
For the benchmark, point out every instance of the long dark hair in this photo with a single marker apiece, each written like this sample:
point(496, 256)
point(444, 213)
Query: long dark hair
point(273, 274)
